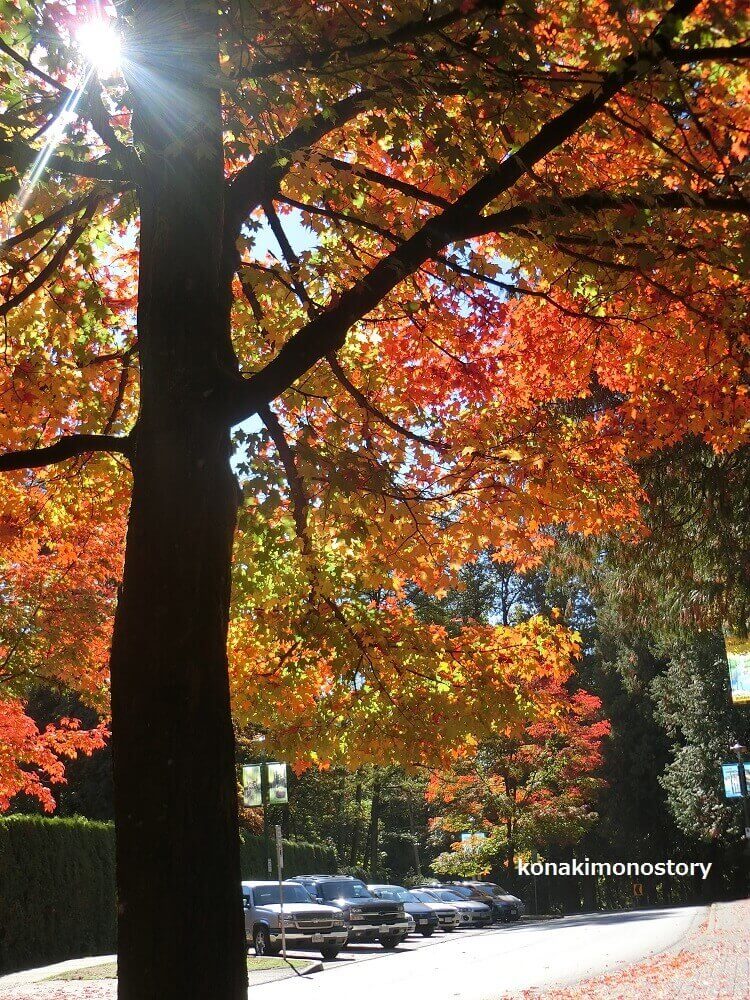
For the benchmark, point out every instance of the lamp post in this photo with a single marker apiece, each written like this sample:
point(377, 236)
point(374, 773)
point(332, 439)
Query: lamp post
point(739, 751)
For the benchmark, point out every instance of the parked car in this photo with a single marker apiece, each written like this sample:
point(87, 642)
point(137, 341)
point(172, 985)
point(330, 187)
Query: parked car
point(511, 907)
point(447, 915)
point(425, 919)
point(505, 907)
point(367, 918)
point(307, 924)
point(471, 912)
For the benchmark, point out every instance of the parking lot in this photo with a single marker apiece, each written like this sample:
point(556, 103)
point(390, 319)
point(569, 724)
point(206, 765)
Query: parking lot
point(356, 953)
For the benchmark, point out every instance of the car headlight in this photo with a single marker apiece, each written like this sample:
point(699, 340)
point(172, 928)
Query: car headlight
point(337, 921)
point(400, 909)
point(287, 920)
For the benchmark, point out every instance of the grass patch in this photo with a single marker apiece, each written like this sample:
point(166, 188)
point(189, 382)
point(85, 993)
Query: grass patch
point(267, 962)
point(108, 970)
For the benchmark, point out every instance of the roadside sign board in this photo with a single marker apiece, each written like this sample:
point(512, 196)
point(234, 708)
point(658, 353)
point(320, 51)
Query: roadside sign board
point(731, 775)
point(252, 794)
point(278, 791)
point(738, 658)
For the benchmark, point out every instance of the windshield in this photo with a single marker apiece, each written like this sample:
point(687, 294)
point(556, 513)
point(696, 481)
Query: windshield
point(425, 897)
point(447, 895)
point(344, 890)
point(461, 891)
point(497, 890)
point(396, 893)
point(267, 895)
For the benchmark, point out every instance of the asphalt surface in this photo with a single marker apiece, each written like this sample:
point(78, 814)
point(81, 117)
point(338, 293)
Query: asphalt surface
point(493, 963)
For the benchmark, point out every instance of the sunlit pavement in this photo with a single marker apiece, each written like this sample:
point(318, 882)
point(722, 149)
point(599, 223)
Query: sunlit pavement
point(485, 965)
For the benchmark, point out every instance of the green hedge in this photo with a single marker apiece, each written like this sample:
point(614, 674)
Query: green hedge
point(57, 896)
point(57, 886)
point(300, 858)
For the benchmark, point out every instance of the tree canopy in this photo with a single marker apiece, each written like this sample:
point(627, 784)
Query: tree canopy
point(453, 269)
point(532, 246)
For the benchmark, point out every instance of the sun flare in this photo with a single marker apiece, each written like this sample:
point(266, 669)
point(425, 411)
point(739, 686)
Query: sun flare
point(101, 46)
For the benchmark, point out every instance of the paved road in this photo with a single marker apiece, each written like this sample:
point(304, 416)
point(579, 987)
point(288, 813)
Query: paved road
point(486, 965)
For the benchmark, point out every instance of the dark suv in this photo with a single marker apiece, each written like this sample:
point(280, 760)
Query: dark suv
point(505, 907)
point(367, 918)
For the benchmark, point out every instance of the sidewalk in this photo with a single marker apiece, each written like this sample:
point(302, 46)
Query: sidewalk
point(94, 978)
point(711, 963)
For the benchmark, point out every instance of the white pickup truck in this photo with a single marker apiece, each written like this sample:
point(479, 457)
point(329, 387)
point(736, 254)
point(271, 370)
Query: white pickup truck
point(307, 924)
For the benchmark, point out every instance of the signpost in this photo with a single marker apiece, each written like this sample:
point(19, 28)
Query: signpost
point(263, 785)
point(280, 869)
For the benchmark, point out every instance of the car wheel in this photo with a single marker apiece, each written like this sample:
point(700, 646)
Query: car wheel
point(428, 932)
point(262, 943)
point(329, 953)
point(389, 942)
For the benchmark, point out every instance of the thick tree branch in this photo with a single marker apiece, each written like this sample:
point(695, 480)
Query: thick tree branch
point(100, 119)
point(591, 202)
point(72, 446)
point(369, 407)
point(403, 187)
point(298, 494)
point(259, 180)
point(29, 66)
point(291, 258)
point(22, 156)
point(327, 332)
point(715, 53)
point(55, 261)
point(60, 215)
point(402, 35)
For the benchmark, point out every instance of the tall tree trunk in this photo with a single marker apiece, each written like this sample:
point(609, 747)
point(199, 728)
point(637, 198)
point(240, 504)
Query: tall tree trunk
point(374, 859)
point(354, 853)
point(180, 925)
point(414, 836)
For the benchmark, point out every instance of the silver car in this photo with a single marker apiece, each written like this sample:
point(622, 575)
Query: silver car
point(470, 912)
point(306, 924)
point(448, 918)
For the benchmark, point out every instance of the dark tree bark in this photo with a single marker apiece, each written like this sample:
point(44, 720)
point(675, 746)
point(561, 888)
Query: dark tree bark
point(414, 835)
point(354, 853)
point(181, 930)
point(374, 858)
